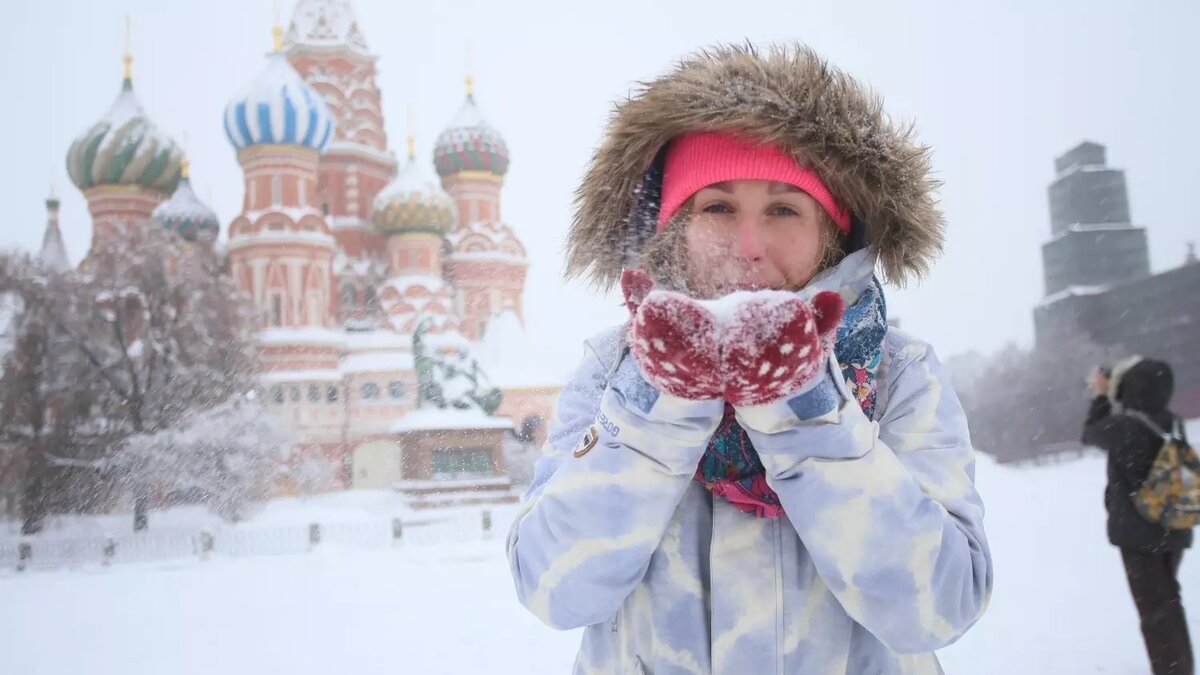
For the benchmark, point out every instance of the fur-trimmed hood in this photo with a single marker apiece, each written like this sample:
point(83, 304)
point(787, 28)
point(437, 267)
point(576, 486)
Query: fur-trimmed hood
point(786, 95)
point(1143, 384)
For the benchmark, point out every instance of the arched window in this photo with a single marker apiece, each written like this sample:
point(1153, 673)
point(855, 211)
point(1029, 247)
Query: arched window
point(396, 389)
point(369, 391)
point(314, 393)
point(276, 310)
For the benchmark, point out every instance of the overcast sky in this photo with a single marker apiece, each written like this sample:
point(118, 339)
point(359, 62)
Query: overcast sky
point(998, 90)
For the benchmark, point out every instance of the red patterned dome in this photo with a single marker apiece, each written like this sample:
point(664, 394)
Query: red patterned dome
point(470, 144)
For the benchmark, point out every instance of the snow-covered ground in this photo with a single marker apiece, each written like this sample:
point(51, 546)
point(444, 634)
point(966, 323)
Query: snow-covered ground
point(1060, 603)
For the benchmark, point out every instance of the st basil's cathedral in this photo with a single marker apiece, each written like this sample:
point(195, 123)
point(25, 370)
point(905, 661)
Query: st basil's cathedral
point(373, 285)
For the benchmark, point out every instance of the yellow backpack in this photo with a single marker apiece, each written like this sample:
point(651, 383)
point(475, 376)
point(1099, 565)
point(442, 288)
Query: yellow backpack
point(1170, 495)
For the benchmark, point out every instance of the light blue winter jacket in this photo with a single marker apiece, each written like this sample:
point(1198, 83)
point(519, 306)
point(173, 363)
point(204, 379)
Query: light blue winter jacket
point(880, 560)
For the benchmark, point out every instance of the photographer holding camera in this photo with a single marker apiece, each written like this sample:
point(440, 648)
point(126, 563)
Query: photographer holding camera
point(1131, 404)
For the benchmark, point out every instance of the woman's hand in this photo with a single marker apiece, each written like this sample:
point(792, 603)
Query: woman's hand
point(675, 341)
point(773, 348)
point(749, 349)
point(1098, 382)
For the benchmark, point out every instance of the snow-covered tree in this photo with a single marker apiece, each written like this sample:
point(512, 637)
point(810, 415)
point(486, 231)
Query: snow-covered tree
point(1022, 404)
point(147, 334)
point(225, 457)
point(44, 393)
point(451, 380)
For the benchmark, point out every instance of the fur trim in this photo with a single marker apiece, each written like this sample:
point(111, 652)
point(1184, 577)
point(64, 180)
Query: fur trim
point(786, 95)
point(1118, 373)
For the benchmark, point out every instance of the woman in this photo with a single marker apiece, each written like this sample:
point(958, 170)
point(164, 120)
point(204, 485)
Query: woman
point(750, 485)
point(1140, 391)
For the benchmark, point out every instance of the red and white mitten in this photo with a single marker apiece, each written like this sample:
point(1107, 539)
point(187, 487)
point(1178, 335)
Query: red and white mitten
point(775, 344)
point(675, 340)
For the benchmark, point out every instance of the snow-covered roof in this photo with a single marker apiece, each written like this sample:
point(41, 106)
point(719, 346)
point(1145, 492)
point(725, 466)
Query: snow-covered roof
point(325, 24)
point(309, 335)
point(377, 339)
point(1085, 168)
point(186, 215)
point(410, 202)
point(1094, 227)
point(377, 362)
point(447, 339)
point(124, 147)
point(469, 143)
point(1072, 291)
point(468, 115)
point(278, 107)
point(280, 237)
point(1099, 227)
point(386, 157)
point(509, 358)
point(455, 483)
point(285, 376)
point(434, 419)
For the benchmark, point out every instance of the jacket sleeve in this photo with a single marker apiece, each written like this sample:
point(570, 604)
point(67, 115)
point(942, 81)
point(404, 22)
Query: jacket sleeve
point(889, 512)
point(599, 508)
point(1098, 410)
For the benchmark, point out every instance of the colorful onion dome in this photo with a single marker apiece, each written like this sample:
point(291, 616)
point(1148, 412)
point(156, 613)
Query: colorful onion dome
point(186, 215)
point(470, 144)
point(278, 108)
point(411, 204)
point(124, 147)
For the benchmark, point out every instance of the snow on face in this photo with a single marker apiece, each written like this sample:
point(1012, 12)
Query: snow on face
point(754, 234)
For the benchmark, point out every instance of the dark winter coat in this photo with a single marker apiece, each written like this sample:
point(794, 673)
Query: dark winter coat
point(1132, 446)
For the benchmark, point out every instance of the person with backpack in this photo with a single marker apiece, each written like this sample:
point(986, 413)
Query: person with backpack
point(1133, 423)
point(755, 474)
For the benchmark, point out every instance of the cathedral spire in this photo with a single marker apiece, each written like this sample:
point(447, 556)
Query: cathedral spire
point(54, 251)
point(411, 139)
point(470, 79)
point(128, 57)
point(277, 31)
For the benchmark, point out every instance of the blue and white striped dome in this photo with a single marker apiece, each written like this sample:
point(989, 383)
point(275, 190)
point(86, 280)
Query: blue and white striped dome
point(278, 108)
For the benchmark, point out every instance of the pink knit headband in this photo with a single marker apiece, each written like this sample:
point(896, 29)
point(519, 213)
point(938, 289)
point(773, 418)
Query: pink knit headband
point(695, 161)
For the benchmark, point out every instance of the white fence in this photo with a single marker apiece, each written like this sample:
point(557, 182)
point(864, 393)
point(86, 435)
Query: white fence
point(44, 552)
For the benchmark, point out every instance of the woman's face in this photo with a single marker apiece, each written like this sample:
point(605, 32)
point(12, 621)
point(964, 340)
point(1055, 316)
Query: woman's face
point(752, 235)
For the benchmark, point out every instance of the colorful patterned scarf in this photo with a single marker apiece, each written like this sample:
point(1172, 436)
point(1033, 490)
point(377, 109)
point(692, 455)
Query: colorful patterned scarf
point(731, 467)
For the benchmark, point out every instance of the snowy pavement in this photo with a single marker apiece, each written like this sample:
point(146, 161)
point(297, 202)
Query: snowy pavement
point(1060, 604)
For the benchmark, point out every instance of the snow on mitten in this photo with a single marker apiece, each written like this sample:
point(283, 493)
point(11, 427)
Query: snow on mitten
point(635, 286)
point(676, 343)
point(775, 344)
